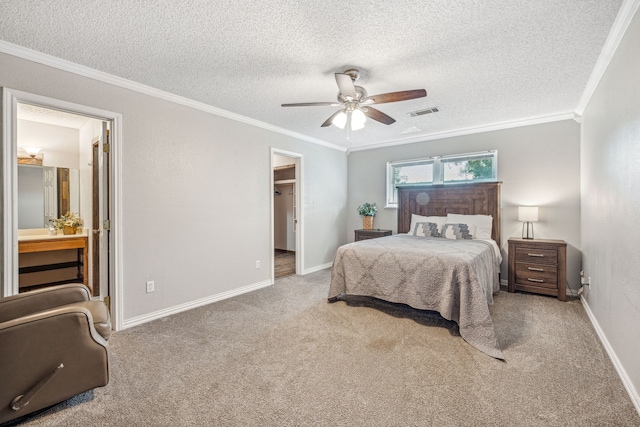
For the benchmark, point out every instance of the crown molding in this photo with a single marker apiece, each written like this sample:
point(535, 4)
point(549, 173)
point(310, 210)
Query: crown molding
point(470, 131)
point(81, 70)
point(626, 13)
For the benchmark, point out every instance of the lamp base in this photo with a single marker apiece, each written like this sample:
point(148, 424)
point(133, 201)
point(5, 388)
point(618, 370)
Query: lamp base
point(527, 230)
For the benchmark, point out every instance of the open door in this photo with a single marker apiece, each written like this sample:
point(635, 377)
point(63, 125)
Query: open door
point(100, 215)
point(106, 248)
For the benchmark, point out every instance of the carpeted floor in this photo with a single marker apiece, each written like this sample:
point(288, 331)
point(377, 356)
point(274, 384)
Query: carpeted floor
point(283, 356)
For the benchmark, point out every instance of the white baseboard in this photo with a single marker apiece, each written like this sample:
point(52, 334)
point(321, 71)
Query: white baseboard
point(633, 393)
point(317, 268)
point(193, 304)
point(139, 320)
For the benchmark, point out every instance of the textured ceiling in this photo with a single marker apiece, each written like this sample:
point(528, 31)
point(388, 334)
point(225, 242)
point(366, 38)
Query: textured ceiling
point(482, 62)
point(52, 117)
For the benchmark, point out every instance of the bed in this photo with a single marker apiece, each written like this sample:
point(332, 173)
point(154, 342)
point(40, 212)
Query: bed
point(455, 276)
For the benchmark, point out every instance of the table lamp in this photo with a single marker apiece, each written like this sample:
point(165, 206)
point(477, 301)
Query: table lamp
point(527, 214)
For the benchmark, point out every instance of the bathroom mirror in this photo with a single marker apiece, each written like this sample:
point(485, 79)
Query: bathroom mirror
point(45, 193)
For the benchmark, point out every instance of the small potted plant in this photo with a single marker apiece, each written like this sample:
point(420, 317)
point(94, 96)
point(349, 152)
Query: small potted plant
point(68, 223)
point(367, 211)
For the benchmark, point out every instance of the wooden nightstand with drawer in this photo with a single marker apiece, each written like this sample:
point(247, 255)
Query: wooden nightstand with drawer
point(538, 266)
point(371, 234)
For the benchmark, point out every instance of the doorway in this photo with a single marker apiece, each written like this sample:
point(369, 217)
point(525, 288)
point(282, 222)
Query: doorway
point(30, 118)
point(286, 173)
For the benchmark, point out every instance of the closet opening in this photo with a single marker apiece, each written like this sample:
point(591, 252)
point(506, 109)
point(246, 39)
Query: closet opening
point(286, 224)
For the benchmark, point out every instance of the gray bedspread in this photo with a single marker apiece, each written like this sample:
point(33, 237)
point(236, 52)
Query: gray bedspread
point(447, 276)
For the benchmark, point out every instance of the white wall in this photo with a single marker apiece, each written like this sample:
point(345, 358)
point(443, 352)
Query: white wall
point(86, 135)
point(538, 165)
point(284, 237)
point(196, 191)
point(610, 187)
point(282, 160)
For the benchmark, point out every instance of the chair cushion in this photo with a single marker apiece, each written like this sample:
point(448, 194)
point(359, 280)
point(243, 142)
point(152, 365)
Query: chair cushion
point(100, 314)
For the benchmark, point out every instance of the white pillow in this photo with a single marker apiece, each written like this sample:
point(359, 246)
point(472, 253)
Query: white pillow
point(440, 220)
point(483, 224)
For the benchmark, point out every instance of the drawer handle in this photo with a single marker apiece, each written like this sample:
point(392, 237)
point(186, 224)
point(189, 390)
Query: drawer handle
point(535, 269)
point(535, 280)
point(537, 255)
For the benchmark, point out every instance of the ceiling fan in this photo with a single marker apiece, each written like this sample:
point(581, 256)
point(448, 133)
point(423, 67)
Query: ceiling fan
point(356, 104)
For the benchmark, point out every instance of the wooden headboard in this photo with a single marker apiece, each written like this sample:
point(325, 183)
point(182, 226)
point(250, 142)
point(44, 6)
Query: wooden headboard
point(440, 200)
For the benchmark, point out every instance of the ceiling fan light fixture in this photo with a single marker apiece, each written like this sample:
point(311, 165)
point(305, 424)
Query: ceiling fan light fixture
point(356, 103)
point(340, 120)
point(358, 119)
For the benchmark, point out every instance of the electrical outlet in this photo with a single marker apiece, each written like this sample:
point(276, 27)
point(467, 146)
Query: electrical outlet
point(151, 286)
point(258, 264)
point(585, 281)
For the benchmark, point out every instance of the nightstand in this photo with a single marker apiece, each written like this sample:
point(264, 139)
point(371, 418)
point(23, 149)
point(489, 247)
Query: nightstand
point(539, 266)
point(371, 234)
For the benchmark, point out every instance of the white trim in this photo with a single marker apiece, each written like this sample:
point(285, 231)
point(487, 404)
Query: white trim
point(135, 321)
point(626, 13)
point(300, 190)
point(116, 290)
point(318, 268)
point(626, 381)
point(11, 98)
point(469, 131)
point(299, 178)
point(81, 70)
point(9, 195)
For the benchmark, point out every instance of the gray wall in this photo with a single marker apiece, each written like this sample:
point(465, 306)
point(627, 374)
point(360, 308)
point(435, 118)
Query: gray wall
point(610, 157)
point(538, 165)
point(196, 191)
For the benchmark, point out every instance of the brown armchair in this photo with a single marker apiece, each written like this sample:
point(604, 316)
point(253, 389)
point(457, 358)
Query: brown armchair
point(53, 346)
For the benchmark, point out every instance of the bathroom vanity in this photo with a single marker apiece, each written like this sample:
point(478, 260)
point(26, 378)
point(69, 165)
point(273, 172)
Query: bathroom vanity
point(46, 260)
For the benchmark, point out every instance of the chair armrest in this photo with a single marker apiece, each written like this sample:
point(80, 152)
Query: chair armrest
point(34, 345)
point(99, 313)
point(27, 303)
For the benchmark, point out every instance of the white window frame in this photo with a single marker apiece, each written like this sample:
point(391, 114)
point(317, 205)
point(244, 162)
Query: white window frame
point(438, 172)
point(391, 185)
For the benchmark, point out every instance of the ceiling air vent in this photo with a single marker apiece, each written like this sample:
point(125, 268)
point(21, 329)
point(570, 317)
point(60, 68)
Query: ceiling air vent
point(423, 112)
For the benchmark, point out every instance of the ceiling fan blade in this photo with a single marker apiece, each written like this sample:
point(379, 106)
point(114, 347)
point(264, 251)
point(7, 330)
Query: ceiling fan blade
point(398, 96)
point(378, 115)
point(346, 86)
point(329, 121)
point(312, 104)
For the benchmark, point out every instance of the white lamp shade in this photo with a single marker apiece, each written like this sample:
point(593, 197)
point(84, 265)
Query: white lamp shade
point(357, 119)
point(340, 120)
point(528, 213)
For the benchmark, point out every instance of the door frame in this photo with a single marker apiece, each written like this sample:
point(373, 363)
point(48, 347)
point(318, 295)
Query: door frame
point(299, 214)
point(10, 100)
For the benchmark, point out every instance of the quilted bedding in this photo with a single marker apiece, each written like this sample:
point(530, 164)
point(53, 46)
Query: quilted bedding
point(456, 278)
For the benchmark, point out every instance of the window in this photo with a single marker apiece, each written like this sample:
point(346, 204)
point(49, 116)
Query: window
point(413, 172)
point(475, 167)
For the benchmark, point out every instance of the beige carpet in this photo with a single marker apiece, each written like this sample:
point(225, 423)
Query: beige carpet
point(283, 356)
